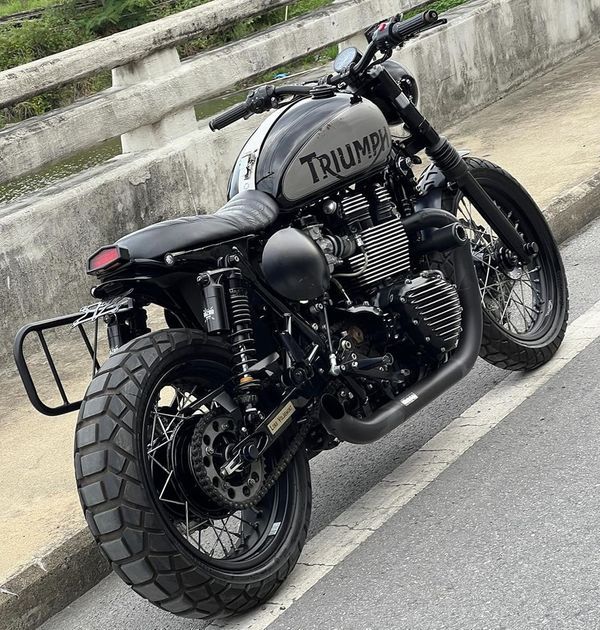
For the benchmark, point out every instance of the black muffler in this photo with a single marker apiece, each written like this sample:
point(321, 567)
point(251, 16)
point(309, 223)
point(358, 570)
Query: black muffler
point(363, 431)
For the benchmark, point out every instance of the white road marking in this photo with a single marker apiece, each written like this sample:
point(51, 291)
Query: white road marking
point(333, 543)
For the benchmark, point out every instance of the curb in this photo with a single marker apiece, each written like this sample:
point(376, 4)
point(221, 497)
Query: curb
point(49, 585)
point(45, 587)
point(571, 211)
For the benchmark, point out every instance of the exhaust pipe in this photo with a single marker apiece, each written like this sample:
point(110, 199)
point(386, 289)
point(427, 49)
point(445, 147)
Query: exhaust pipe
point(348, 428)
point(443, 239)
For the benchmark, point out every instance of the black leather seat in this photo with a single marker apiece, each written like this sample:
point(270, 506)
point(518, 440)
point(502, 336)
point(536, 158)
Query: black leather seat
point(246, 213)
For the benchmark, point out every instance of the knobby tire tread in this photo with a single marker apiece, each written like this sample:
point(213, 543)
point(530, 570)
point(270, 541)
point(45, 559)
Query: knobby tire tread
point(117, 509)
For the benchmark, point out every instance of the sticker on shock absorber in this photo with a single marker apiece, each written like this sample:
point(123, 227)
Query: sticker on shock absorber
point(281, 418)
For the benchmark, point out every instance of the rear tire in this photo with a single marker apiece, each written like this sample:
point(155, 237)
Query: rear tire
point(502, 346)
point(129, 522)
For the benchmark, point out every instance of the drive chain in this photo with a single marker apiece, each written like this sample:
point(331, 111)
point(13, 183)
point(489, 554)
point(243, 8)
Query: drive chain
point(206, 483)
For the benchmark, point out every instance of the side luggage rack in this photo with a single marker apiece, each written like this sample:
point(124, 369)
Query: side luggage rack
point(37, 329)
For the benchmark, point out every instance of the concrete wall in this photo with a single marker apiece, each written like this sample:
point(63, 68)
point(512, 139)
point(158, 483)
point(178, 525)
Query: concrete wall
point(491, 47)
point(44, 240)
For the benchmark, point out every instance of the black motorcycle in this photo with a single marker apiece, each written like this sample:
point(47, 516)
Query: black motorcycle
point(332, 297)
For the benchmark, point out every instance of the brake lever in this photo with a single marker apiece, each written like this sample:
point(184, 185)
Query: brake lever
point(440, 22)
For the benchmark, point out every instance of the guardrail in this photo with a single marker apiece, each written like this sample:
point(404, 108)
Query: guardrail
point(151, 85)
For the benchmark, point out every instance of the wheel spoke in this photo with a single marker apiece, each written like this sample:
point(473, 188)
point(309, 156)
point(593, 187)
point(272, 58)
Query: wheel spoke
point(199, 520)
point(227, 533)
point(515, 303)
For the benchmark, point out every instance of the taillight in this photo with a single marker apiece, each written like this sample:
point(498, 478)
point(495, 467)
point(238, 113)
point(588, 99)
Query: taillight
point(106, 259)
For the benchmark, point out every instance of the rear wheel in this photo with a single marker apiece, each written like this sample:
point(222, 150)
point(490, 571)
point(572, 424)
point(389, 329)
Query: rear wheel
point(525, 306)
point(175, 544)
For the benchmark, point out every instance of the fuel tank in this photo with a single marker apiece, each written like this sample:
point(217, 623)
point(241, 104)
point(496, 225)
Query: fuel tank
point(312, 147)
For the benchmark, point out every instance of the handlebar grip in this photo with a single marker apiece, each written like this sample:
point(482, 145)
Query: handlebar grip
point(230, 116)
point(408, 28)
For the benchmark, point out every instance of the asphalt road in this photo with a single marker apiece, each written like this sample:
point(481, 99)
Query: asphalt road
point(506, 537)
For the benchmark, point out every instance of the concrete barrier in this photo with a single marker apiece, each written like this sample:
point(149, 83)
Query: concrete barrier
point(488, 48)
point(37, 77)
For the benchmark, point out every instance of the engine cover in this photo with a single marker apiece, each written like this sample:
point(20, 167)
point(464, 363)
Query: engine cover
point(431, 307)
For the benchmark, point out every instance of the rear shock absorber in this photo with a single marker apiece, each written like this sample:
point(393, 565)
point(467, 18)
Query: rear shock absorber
point(242, 338)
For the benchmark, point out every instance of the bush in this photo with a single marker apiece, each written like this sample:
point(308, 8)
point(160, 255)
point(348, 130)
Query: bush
point(118, 15)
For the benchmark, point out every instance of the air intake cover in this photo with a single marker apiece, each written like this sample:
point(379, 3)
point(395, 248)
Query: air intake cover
point(295, 266)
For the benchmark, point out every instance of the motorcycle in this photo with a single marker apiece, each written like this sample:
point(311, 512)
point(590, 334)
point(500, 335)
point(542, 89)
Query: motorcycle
point(332, 297)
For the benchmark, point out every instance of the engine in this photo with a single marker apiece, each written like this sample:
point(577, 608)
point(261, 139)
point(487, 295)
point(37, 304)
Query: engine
point(430, 307)
point(355, 247)
point(385, 250)
point(374, 264)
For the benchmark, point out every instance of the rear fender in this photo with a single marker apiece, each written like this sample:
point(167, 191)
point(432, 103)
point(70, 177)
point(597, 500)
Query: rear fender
point(177, 294)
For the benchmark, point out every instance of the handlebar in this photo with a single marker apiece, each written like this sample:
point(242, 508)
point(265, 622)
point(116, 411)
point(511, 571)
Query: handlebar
point(383, 38)
point(404, 30)
point(229, 117)
point(258, 101)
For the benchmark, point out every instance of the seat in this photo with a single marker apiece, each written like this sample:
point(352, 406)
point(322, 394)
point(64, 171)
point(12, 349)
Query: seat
point(247, 213)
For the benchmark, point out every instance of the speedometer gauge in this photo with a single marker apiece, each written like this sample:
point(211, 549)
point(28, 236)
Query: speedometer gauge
point(345, 58)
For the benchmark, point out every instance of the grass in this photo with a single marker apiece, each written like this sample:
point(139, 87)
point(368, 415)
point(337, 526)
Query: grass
point(8, 7)
point(437, 5)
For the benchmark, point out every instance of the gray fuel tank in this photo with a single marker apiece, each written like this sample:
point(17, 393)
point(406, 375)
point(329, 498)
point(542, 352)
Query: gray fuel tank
point(312, 147)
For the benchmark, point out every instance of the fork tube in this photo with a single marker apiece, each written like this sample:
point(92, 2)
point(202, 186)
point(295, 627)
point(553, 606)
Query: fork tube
point(449, 161)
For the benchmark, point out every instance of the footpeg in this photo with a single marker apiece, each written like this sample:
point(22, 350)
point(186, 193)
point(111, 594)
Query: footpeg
point(374, 362)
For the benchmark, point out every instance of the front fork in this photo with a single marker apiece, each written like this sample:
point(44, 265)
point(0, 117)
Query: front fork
point(452, 165)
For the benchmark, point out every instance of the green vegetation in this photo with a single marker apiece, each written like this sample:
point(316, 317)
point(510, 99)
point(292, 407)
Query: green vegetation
point(8, 7)
point(66, 25)
point(34, 39)
point(437, 5)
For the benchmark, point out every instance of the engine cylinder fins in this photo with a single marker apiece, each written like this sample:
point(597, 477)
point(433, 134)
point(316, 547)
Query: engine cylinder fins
point(369, 206)
point(387, 249)
point(385, 207)
point(434, 311)
point(356, 209)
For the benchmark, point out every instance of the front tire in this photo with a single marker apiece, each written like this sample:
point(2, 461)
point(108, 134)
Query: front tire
point(525, 307)
point(138, 525)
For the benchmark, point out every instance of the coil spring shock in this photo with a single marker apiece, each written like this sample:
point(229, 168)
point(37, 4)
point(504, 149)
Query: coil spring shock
point(242, 335)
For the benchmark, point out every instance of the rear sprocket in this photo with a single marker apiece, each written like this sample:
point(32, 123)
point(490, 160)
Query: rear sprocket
point(212, 444)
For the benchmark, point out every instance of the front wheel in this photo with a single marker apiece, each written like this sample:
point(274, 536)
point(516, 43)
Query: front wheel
point(525, 307)
point(183, 549)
